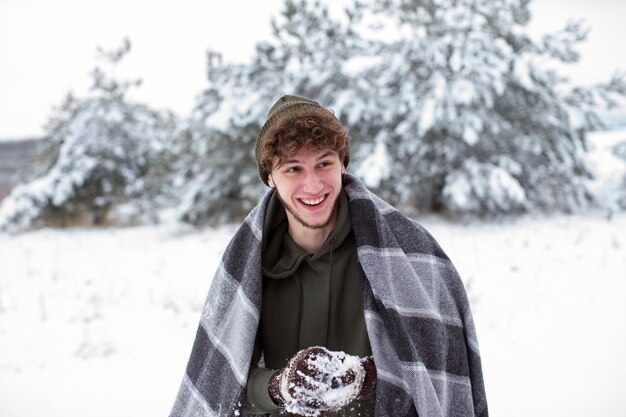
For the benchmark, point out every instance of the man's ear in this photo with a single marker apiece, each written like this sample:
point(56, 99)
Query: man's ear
point(270, 181)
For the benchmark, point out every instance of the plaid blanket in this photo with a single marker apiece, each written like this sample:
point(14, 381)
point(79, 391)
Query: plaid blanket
point(417, 315)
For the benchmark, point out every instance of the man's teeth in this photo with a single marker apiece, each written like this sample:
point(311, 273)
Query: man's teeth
point(313, 202)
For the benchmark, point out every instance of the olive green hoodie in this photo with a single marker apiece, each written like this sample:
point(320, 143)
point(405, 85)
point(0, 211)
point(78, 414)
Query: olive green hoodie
point(308, 300)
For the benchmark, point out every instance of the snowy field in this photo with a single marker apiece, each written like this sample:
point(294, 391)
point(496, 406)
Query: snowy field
point(100, 322)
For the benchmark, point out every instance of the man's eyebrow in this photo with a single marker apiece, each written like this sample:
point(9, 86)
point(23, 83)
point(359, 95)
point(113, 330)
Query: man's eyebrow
point(297, 161)
point(328, 153)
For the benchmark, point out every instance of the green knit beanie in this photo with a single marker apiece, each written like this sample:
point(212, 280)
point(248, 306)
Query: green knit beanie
point(284, 104)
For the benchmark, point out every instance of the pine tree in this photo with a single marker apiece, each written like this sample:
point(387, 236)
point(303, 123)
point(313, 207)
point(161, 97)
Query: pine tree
point(101, 152)
point(305, 56)
point(452, 107)
point(472, 121)
point(619, 151)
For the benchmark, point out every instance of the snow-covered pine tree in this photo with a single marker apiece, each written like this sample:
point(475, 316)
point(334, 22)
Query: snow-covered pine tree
point(306, 56)
point(451, 106)
point(474, 119)
point(619, 151)
point(101, 152)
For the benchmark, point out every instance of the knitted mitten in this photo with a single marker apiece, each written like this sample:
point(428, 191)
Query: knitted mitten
point(317, 380)
point(369, 382)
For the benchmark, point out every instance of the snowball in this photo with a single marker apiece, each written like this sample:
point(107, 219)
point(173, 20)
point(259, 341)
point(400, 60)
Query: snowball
point(334, 365)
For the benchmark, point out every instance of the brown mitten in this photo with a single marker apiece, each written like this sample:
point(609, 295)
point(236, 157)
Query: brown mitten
point(273, 387)
point(318, 380)
point(369, 382)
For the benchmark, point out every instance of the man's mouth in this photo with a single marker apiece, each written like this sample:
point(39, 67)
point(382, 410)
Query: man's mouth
point(312, 202)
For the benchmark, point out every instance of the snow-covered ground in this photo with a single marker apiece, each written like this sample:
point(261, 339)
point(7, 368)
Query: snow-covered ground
point(100, 322)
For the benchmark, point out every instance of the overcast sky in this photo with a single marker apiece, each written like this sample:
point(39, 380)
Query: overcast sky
point(48, 48)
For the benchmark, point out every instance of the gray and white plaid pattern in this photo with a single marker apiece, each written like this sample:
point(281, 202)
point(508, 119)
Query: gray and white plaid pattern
point(417, 315)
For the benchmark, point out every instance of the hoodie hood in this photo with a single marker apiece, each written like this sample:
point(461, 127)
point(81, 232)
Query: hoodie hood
point(281, 254)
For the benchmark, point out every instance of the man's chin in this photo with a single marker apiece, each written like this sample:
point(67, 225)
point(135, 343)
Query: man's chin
point(315, 226)
point(305, 219)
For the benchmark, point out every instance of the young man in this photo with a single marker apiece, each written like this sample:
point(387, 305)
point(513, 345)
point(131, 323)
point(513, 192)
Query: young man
point(328, 301)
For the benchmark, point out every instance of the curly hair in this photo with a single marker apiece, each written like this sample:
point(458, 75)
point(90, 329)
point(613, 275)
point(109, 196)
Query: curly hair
point(312, 129)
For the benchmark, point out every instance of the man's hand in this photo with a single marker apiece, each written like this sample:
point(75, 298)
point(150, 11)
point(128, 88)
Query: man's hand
point(318, 380)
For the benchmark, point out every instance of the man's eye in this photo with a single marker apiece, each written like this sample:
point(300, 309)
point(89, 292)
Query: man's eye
point(292, 169)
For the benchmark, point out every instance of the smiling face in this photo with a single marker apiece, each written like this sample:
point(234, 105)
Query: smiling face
point(308, 185)
point(287, 133)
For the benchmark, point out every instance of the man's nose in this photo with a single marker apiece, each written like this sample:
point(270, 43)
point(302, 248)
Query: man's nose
point(313, 183)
